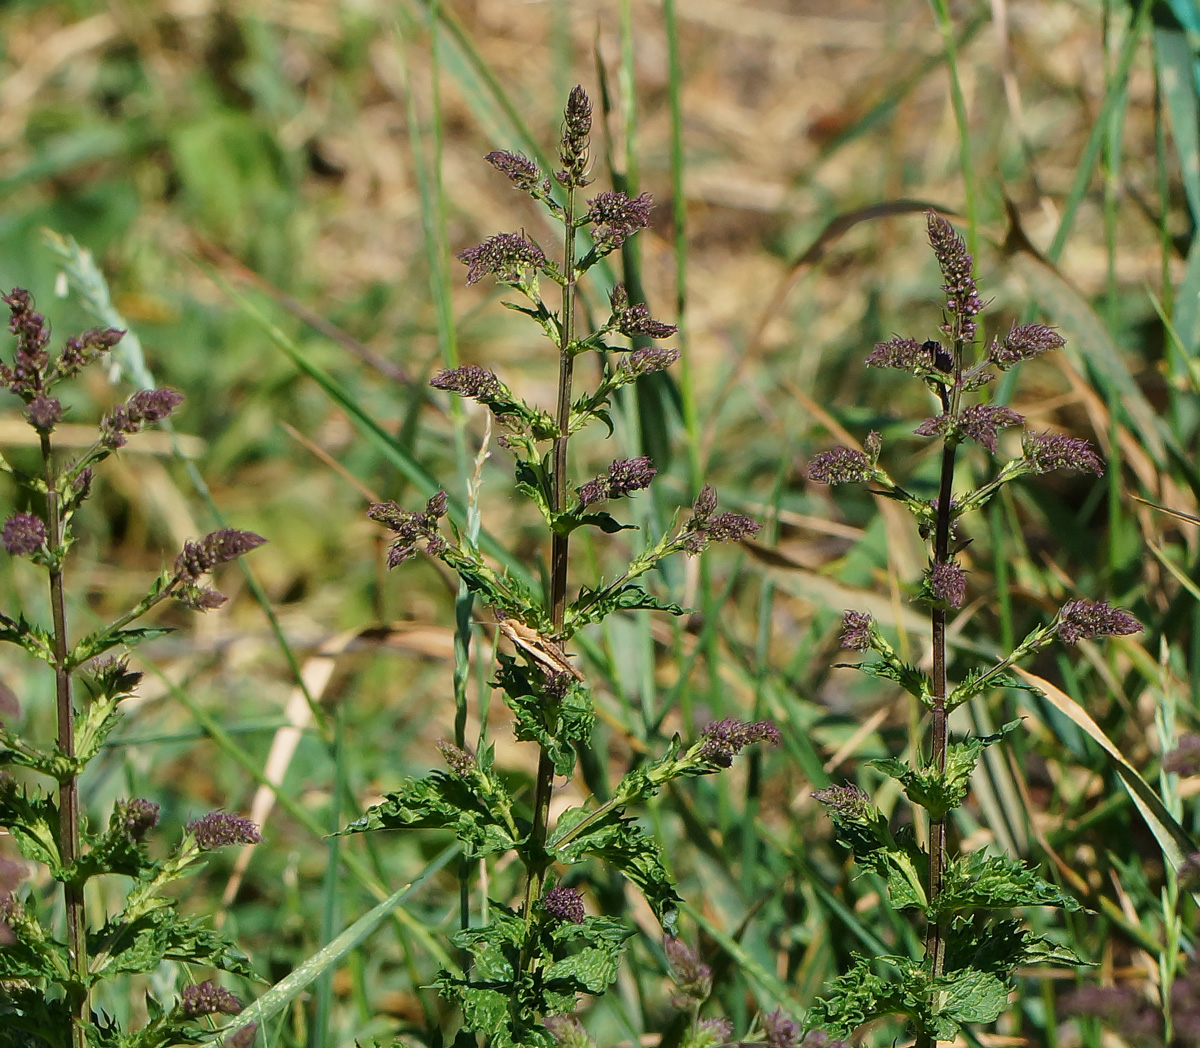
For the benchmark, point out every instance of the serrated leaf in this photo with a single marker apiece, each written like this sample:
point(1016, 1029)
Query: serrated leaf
point(558, 725)
point(103, 640)
point(620, 842)
point(970, 996)
point(592, 970)
point(978, 681)
point(595, 605)
point(439, 802)
point(854, 998)
point(940, 792)
point(162, 934)
point(996, 882)
point(33, 638)
point(911, 679)
point(32, 821)
point(26, 1009)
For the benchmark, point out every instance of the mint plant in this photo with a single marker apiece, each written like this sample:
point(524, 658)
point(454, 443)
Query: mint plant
point(535, 954)
point(972, 940)
point(48, 975)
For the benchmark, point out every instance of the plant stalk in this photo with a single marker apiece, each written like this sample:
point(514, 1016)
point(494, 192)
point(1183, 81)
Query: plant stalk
point(68, 788)
point(559, 543)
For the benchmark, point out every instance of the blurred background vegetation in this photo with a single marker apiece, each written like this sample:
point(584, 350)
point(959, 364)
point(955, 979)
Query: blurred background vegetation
point(274, 192)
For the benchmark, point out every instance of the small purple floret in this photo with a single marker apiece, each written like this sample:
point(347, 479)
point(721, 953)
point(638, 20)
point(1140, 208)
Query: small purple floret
point(207, 998)
point(23, 534)
point(564, 904)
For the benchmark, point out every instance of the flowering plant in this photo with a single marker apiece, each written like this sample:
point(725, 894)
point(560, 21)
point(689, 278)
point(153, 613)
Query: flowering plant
point(972, 942)
point(528, 962)
point(46, 981)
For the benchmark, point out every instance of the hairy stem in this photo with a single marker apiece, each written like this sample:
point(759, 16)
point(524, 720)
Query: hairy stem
point(68, 789)
point(559, 543)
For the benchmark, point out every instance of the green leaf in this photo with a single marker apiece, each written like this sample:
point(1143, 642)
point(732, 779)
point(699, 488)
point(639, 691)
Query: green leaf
point(1000, 946)
point(97, 643)
point(620, 842)
point(33, 638)
point(594, 967)
point(969, 996)
point(32, 954)
point(32, 821)
point(46, 1022)
point(940, 792)
point(911, 679)
point(595, 605)
point(857, 997)
point(977, 682)
point(162, 934)
point(439, 802)
point(558, 725)
point(996, 882)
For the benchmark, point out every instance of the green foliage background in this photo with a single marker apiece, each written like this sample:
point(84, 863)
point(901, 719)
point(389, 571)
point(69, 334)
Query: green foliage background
point(274, 190)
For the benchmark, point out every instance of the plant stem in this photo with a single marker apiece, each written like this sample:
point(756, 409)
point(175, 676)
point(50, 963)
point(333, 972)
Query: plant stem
point(559, 543)
point(68, 788)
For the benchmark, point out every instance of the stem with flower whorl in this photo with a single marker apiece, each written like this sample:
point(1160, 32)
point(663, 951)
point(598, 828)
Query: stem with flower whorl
point(560, 543)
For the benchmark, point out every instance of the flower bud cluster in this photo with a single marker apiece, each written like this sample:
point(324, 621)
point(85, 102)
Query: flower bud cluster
point(624, 477)
point(219, 829)
point(706, 525)
point(144, 407)
point(723, 740)
point(207, 998)
point(410, 527)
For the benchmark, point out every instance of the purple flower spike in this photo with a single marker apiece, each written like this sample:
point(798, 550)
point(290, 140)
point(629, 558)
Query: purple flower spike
point(904, 354)
point(471, 381)
point(633, 321)
point(460, 761)
point(144, 407)
point(506, 255)
point(725, 739)
point(208, 999)
point(1049, 451)
point(956, 263)
point(846, 802)
point(215, 548)
point(840, 466)
point(564, 904)
point(516, 167)
point(219, 829)
point(24, 533)
point(649, 360)
point(44, 413)
point(1089, 619)
point(1022, 342)
point(81, 350)
point(624, 477)
point(576, 129)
